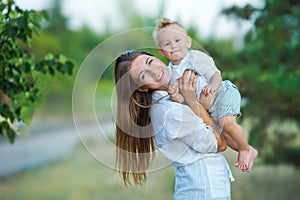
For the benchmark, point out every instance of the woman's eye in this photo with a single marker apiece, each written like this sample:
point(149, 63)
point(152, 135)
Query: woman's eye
point(178, 40)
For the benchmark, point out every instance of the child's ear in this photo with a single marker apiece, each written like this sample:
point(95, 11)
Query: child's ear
point(142, 89)
point(189, 42)
point(162, 52)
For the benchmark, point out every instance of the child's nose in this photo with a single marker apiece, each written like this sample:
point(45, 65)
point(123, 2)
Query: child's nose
point(173, 45)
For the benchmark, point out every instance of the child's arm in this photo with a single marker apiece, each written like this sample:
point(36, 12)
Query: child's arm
point(205, 65)
point(174, 94)
point(198, 109)
point(214, 84)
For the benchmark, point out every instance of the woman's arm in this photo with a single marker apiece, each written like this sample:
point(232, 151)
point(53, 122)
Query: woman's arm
point(187, 88)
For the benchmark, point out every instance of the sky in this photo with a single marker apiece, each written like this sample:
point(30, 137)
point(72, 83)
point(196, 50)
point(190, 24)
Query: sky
point(202, 14)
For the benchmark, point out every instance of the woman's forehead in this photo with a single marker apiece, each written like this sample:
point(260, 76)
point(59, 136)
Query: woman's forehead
point(139, 61)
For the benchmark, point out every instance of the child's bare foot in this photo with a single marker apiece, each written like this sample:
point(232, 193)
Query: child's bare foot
point(254, 154)
point(244, 157)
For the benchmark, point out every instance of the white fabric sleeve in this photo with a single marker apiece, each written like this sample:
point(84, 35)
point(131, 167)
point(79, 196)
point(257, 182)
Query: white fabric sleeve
point(203, 63)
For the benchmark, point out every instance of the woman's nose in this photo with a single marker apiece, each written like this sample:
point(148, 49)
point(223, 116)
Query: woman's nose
point(152, 71)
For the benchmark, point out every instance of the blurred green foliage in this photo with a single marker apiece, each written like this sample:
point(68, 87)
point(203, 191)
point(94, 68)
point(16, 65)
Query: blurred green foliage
point(19, 68)
point(267, 71)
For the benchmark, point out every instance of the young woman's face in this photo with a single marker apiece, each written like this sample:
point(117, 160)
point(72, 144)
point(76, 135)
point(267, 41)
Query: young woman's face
point(150, 73)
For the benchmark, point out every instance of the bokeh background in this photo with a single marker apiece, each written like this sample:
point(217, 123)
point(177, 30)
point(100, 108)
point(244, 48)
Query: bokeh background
point(66, 151)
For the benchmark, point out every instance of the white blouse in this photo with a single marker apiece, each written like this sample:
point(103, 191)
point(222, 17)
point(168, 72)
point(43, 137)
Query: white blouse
point(180, 135)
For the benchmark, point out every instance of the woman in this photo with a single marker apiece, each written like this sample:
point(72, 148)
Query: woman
point(190, 142)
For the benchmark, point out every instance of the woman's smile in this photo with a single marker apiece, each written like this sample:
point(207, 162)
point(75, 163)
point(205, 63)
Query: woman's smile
point(160, 77)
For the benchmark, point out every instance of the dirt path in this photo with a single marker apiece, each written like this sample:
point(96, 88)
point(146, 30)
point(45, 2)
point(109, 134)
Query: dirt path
point(44, 143)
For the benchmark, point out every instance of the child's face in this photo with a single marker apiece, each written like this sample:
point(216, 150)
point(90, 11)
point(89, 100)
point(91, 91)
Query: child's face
point(174, 43)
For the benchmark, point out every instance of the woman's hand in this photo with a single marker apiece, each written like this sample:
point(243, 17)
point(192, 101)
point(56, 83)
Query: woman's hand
point(187, 86)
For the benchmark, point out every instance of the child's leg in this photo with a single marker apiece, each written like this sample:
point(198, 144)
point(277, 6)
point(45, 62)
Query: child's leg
point(229, 141)
point(232, 144)
point(238, 140)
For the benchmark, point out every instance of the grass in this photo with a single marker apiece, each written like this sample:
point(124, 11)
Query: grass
point(83, 177)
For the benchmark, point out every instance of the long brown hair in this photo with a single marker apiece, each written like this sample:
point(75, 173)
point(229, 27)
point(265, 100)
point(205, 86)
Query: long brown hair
point(134, 134)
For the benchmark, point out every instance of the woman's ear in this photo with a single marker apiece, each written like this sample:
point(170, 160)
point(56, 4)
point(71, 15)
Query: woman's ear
point(141, 89)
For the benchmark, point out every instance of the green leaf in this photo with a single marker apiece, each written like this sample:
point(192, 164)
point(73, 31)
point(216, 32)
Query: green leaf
point(36, 18)
point(49, 56)
point(61, 59)
point(5, 111)
point(11, 134)
point(18, 111)
point(22, 22)
point(8, 131)
point(69, 67)
point(25, 68)
point(36, 30)
point(26, 114)
point(2, 7)
point(13, 14)
point(45, 14)
point(52, 64)
point(51, 71)
point(11, 31)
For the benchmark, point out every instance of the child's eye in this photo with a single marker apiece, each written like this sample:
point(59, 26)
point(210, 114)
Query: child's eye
point(150, 61)
point(178, 40)
point(167, 44)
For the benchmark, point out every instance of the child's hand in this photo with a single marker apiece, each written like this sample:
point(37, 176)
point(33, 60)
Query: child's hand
point(208, 89)
point(174, 94)
point(173, 89)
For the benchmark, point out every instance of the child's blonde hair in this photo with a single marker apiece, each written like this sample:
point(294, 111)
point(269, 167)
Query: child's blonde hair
point(163, 23)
